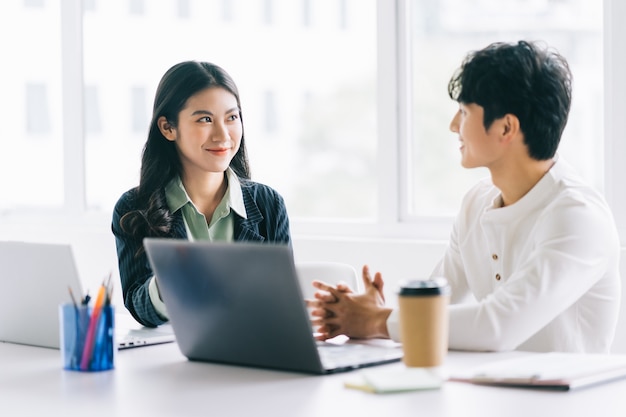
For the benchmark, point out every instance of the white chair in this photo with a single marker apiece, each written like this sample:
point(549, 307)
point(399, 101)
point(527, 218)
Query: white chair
point(329, 272)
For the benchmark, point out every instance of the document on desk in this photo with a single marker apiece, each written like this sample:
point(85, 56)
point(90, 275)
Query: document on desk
point(383, 381)
point(555, 370)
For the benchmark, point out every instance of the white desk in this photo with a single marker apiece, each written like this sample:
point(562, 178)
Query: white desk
point(159, 381)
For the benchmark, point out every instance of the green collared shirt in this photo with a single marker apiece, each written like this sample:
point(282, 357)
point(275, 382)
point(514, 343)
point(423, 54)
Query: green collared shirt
point(221, 225)
point(220, 228)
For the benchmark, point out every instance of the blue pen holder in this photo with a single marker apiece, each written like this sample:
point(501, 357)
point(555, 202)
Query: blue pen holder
point(87, 340)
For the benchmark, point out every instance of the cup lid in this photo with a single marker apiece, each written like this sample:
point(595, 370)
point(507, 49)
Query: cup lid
point(431, 286)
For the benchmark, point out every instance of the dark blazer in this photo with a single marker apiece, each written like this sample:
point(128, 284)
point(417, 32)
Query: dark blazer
point(267, 222)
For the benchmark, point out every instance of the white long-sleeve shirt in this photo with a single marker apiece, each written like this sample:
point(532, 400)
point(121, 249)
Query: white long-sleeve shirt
point(538, 275)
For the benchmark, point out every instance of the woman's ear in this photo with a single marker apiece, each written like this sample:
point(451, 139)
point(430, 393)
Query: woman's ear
point(166, 129)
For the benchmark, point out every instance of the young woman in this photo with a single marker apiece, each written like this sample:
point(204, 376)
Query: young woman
point(194, 182)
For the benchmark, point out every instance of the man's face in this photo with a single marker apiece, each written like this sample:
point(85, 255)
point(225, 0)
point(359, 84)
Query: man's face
point(479, 147)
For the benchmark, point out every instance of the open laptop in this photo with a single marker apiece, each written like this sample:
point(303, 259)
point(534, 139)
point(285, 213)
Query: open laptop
point(241, 303)
point(34, 280)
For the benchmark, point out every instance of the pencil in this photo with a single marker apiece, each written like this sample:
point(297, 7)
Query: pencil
point(72, 296)
point(91, 331)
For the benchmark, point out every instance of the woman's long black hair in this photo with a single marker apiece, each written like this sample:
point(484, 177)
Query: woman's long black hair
point(160, 162)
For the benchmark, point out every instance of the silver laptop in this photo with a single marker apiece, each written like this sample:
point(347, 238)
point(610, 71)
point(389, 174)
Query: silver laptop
point(34, 280)
point(241, 303)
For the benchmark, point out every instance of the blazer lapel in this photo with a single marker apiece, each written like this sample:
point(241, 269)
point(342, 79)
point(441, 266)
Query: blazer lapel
point(178, 226)
point(248, 229)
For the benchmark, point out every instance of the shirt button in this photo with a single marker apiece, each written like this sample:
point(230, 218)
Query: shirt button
point(494, 257)
point(498, 277)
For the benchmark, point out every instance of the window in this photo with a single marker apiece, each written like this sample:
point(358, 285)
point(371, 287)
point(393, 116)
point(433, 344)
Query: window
point(268, 12)
point(37, 109)
point(137, 7)
point(319, 152)
point(441, 33)
point(184, 9)
point(31, 161)
point(269, 107)
point(93, 121)
point(306, 12)
point(226, 7)
point(345, 102)
point(139, 109)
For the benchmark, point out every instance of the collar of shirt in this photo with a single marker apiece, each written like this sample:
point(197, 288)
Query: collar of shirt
point(176, 195)
point(235, 195)
point(537, 198)
point(220, 226)
point(497, 202)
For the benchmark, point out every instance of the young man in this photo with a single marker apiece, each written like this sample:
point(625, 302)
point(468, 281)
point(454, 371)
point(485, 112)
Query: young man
point(533, 255)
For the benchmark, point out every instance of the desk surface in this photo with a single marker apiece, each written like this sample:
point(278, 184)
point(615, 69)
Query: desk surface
point(159, 381)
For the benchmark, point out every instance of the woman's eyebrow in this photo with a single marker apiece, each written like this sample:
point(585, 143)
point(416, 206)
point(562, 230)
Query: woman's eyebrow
point(234, 109)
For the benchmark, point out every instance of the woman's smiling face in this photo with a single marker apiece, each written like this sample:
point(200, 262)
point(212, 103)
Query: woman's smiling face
point(209, 131)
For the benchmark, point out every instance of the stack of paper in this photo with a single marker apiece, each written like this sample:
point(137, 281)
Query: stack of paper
point(559, 371)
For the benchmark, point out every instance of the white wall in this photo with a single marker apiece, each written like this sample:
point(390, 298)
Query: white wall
point(396, 259)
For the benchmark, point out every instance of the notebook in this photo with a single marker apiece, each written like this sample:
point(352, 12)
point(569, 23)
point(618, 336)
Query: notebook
point(241, 303)
point(555, 370)
point(34, 281)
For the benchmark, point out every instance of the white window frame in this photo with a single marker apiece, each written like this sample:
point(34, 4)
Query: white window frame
point(393, 101)
point(393, 110)
point(394, 220)
point(75, 200)
point(614, 110)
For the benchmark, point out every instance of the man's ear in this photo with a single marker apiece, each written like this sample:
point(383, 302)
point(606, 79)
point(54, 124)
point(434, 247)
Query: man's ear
point(166, 129)
point(510, 127)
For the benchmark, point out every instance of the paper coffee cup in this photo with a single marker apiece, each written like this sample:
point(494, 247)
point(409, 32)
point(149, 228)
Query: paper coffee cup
point(423, 323)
